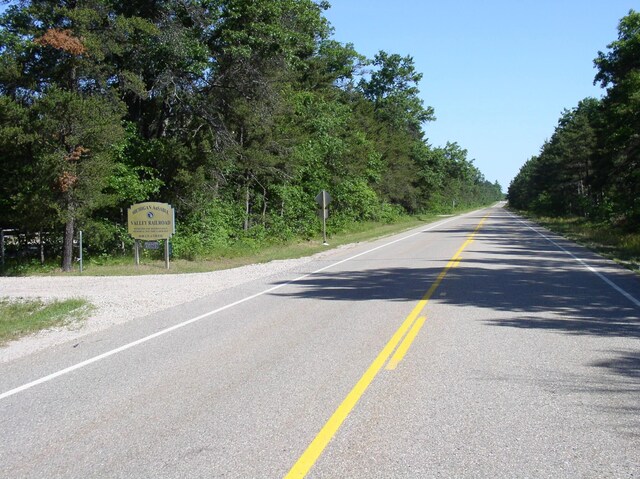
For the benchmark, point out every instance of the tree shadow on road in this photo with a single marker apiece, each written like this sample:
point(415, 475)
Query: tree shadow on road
point(510, 269)
point(553, 294)
point(626, 364)
point(512, 278)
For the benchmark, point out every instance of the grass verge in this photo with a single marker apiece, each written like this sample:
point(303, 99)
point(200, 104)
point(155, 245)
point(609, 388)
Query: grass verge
point(233, 256)
point(614, 243)
point(20, 317)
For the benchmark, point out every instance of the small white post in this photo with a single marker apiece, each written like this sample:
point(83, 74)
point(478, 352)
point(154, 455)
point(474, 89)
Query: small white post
point(80, 256)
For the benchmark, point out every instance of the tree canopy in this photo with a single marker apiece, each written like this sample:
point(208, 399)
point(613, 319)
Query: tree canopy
point(234, 111)
point(591, 164)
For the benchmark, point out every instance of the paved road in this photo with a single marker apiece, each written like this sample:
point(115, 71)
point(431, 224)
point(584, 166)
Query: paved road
point(519, 361)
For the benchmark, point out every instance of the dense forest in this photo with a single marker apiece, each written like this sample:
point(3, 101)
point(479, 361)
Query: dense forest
point(591, 165)
point(235, 112)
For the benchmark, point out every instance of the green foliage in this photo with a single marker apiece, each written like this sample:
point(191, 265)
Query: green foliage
point(236, 112)
point(133, 184)
point(17, 191)
point(130, 181)
point(390, 213)
point(102, 235)
point(619, 140)
point(73, 152)
point(210, 227)
point(297, 215)
point(356, 200)
point(591, 165)
point(393, 90)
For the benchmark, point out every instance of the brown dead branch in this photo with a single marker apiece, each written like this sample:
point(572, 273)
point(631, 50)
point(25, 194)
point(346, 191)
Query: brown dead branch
point(62, 40)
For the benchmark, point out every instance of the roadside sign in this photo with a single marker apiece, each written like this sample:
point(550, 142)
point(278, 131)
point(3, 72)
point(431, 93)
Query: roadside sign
point(323, 198)
point(151, 221)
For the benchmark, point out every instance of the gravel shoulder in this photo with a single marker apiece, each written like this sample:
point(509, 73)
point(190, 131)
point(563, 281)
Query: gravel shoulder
point(153, 292)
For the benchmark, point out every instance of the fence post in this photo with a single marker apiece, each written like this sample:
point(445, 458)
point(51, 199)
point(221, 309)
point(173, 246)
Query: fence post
point(80, 250)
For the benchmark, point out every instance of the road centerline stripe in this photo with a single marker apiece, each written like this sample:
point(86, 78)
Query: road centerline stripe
point(175, 327)
point(330, 428)
point(454, 262)
point(405, 344)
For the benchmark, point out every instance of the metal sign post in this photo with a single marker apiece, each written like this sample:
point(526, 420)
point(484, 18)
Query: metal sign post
point(136, 251)
point(323, 199)
point(166, 253)
point(80, 255)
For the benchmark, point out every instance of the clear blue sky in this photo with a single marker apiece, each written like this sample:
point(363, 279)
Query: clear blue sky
point(498, 73)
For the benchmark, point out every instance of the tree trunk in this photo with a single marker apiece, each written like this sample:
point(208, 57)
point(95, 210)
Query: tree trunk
point(67, 249)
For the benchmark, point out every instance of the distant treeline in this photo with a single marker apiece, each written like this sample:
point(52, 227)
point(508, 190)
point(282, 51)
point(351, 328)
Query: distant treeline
point(236, 112)
point(591, 165)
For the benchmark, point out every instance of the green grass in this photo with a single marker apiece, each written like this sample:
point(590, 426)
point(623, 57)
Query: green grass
point(229, 257)
point(21, 317)
point(609, 241)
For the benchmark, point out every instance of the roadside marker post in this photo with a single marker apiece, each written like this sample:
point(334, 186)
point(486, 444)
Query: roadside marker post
point(323, 199)
point(80, 259)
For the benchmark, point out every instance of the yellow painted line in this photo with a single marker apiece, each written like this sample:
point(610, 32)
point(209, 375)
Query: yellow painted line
point(406, 344)
point(319, 443)
point(311, 455)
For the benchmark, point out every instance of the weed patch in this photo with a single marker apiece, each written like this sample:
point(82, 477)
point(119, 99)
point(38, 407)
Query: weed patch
point(611, 242)
point(21, 317)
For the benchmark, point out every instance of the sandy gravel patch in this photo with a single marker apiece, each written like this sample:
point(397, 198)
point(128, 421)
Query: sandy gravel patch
point(108, 295)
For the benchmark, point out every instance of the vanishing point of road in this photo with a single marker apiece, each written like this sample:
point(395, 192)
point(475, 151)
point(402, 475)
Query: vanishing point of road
point(477, 346)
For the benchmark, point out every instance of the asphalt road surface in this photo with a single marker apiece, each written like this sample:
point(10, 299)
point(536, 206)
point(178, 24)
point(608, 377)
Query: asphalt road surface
point(478, 346)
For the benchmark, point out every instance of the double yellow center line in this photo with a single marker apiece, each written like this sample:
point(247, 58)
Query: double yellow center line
point(412, 324)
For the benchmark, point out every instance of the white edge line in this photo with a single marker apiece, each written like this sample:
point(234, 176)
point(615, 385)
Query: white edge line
point(582, 262)
point(157, 334)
